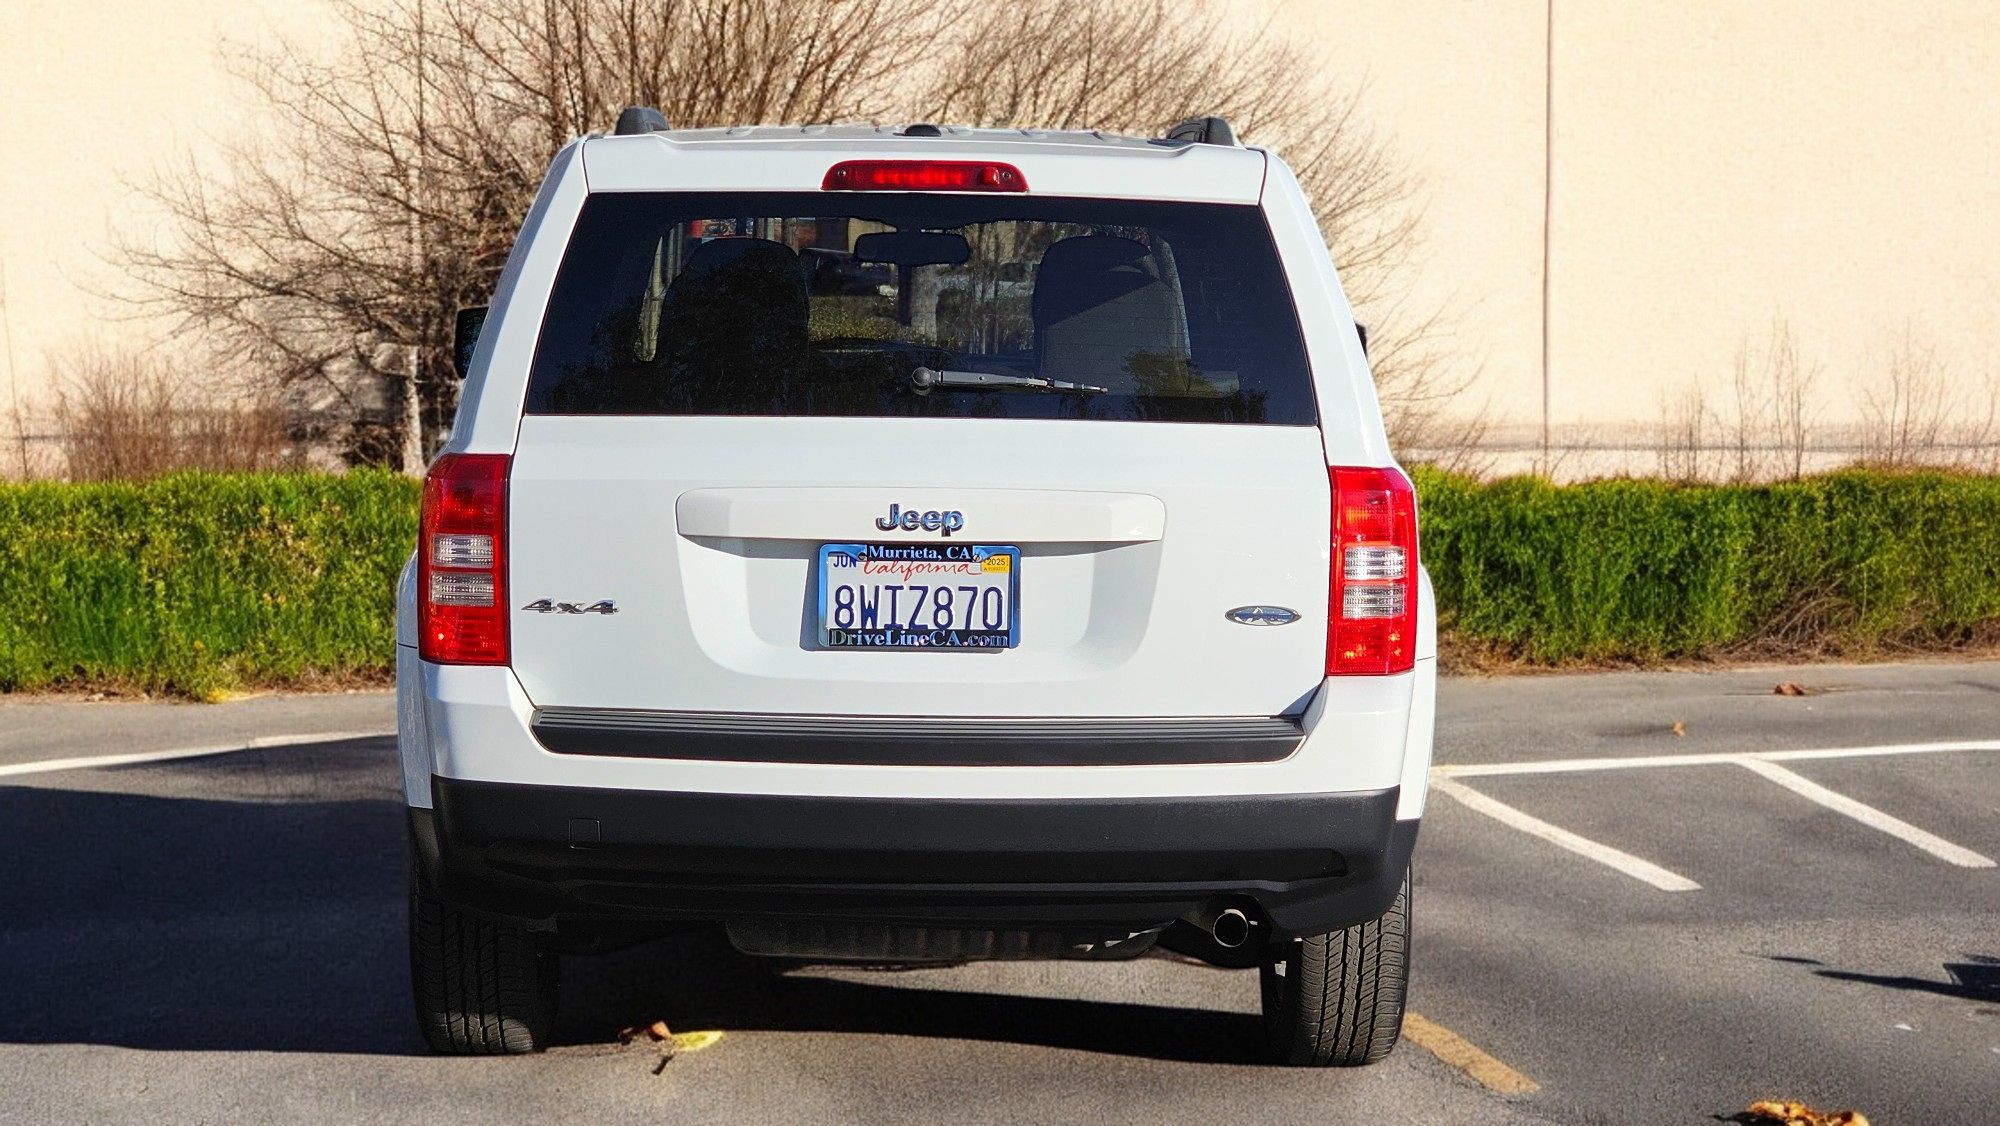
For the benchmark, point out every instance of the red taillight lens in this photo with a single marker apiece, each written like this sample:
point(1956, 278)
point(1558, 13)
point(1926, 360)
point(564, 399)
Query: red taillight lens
point(462, 561)
point(923, 176)
point(1372, 614)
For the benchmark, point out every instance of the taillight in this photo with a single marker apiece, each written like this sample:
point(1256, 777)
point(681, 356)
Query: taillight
point(462, 561)
point(1372, 615)
point(923, 176)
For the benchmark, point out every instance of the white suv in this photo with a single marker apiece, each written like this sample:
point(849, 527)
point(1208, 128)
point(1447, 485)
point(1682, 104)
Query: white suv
point(916, 545)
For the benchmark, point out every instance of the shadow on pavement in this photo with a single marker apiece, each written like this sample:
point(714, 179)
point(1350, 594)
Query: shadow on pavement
point(1977, 979)
point(272, 919)
point(190, 924)
point(699, 982)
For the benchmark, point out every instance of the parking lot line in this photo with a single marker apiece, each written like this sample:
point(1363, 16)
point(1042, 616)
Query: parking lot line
point(1866, 814)
point(1457, 1052)
point(1642, 870)
point(263, 742)
point(1641, 762)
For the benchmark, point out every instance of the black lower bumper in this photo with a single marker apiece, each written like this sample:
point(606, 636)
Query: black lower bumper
point(1310, 862)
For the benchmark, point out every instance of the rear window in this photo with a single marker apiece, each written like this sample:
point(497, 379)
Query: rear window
point(921, 305)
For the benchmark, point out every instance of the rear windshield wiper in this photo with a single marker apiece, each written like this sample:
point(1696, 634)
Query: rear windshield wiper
point(924, 379)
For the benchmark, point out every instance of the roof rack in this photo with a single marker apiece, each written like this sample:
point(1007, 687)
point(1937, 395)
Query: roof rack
point(634, 120)
point(1205, 131)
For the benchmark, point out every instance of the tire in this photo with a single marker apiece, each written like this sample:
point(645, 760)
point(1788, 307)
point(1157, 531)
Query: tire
point(481, 988)
point(1336, 1000)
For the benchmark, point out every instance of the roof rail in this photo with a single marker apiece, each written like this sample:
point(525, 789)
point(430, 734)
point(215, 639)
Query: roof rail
point(1205, 131)
point(634, 120)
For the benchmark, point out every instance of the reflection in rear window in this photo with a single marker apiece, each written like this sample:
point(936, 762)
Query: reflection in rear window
point(913, 305)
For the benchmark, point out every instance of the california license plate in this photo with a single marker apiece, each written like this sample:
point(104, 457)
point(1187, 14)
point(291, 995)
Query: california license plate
point(919, 596)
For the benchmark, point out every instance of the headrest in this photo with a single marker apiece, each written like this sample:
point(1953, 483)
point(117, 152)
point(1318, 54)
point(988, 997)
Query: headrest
point(1094, 253)
point(1084, 271)
point(759, 254)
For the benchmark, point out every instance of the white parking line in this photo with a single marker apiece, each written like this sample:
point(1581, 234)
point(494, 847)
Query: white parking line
point(1866, 814)
point(262, 742)
point(1445, 779)
point(1625, 862)
point(1641, 762)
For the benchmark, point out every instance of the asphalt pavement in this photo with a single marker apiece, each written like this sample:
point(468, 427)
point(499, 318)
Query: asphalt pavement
point(219, 938)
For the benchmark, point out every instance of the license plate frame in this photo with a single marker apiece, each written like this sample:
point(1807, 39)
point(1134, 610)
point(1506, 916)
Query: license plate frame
point(915, 632)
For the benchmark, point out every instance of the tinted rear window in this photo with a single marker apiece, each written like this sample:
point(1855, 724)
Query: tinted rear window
point(679, 303)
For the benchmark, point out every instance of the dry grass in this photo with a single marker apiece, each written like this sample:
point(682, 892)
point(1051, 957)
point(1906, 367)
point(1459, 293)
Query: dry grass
point(122, 416)
point(1459, 655)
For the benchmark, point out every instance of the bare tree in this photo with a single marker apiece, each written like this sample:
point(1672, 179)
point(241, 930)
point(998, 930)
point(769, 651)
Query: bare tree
point(1794, 400)
point(1913, 416)
point(1774, 386)
point(1139, 66)
point(1753, 402)
point(1686, 437)
point(332, 251)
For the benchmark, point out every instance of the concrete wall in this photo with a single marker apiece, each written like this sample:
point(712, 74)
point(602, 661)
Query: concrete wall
point(1718, 164)
point(97, 96)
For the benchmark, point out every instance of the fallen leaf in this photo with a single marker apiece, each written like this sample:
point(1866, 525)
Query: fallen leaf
point(1680, 729)
point(695, 1041)
point(656, 1032)
point(1771, 1112)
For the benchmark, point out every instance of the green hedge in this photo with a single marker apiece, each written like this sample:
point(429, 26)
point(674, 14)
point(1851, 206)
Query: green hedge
point(200, 583)
point(1850, 562)
point(197, 583)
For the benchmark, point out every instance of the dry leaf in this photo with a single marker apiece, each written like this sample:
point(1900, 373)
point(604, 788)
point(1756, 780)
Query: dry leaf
point(695, 1041)
point(656, 1032)
point(1770, 1112)
point(1680, 729)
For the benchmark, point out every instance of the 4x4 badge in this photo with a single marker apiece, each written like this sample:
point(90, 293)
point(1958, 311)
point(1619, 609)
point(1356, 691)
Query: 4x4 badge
point(544, 606)
point(1262, 615)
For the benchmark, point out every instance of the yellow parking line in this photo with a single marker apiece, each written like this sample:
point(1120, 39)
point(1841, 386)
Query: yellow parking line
point(1456, 1051)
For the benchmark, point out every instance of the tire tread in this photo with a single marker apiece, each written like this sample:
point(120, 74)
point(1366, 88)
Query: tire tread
point(480, 987)
point(1340, 1001)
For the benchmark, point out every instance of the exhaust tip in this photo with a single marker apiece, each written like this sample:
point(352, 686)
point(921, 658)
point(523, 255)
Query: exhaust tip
point(1230, 929)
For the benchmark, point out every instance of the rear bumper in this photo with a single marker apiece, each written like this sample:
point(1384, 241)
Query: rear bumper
point(1355, 734)
point(546, 854)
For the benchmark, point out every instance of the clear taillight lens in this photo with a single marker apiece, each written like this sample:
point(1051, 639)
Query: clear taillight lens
point(1363, 564)
point(449, 589)
point(1372, 611)
point(462, 551)
point(462, 561)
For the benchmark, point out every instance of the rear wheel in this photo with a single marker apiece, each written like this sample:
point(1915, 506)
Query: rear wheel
point(481, 988)
point(1336, 1000)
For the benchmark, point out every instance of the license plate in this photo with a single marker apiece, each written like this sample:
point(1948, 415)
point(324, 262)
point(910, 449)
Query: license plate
point(918, 596)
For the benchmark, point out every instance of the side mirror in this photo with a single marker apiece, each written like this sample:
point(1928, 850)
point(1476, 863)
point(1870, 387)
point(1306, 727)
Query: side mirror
point(465, 336)
point(912, 248)
point(1361, 330)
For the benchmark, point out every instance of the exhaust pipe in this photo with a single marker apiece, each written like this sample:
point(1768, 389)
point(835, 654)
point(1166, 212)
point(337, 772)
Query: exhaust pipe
point(1230, 928)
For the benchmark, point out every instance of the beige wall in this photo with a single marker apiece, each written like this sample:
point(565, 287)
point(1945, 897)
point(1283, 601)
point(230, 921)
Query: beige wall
point(1718, 163)
point(96, 96)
